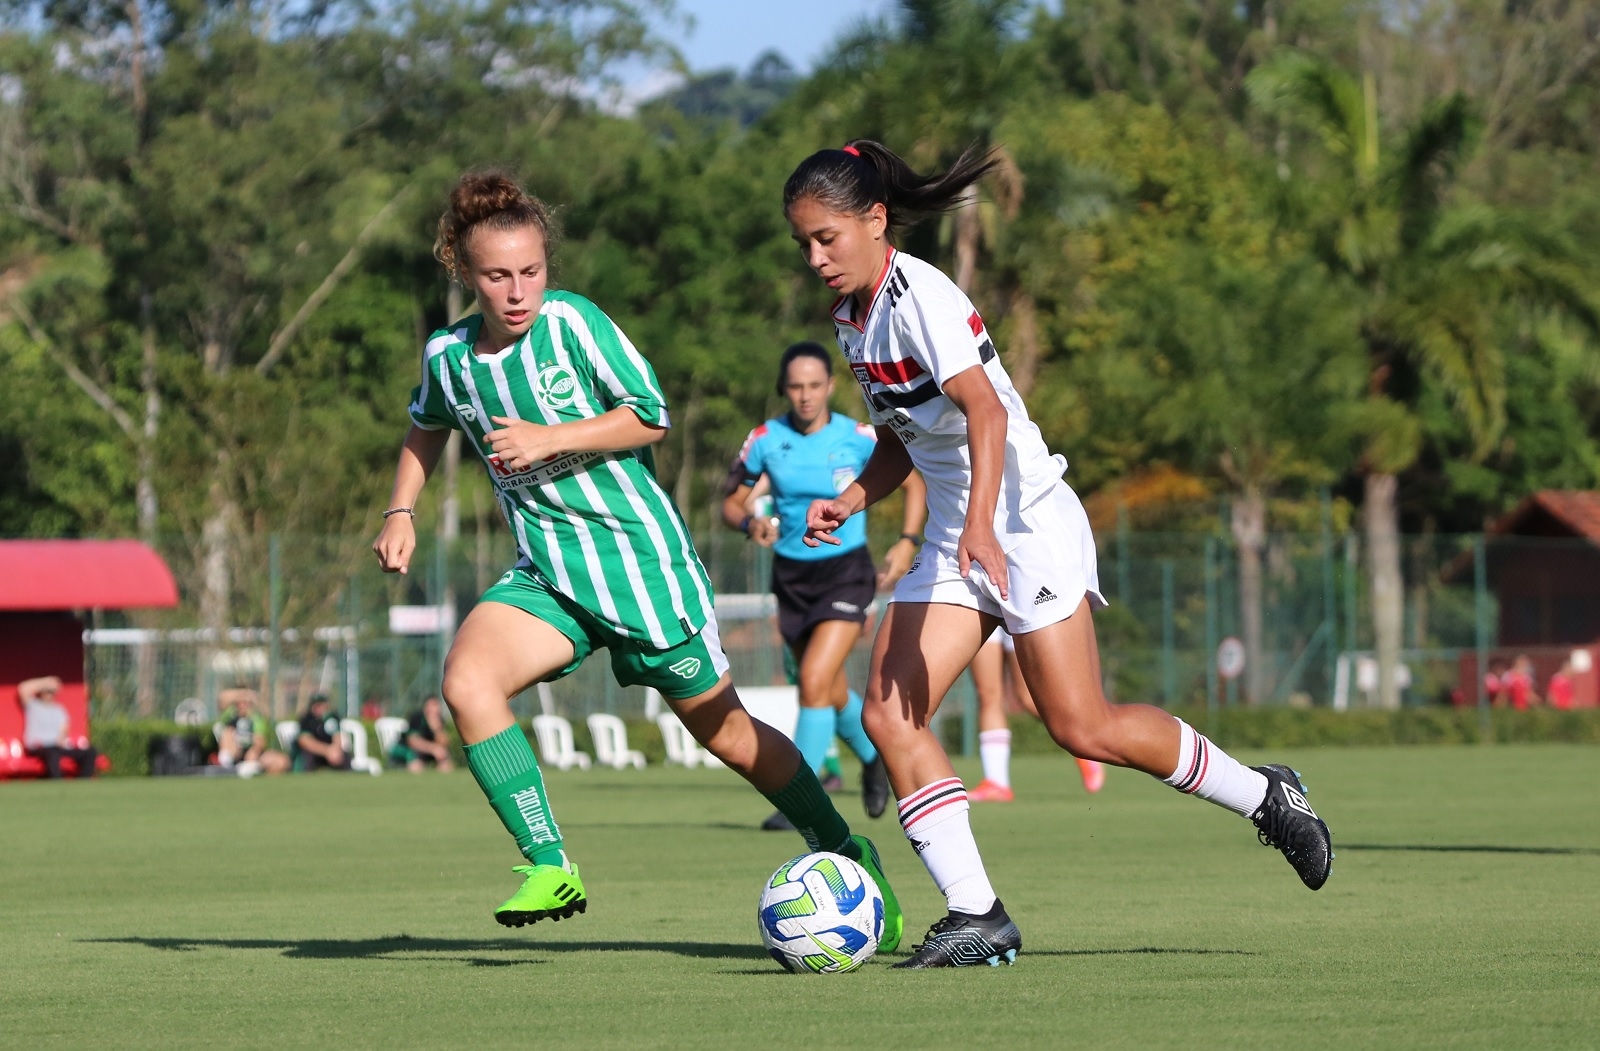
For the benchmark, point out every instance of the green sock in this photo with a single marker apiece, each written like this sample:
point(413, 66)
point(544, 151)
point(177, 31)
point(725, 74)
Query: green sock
point(508, 773)
point(812, 813)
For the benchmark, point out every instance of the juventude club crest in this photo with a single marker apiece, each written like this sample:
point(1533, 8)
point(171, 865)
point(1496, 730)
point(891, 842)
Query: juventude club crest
point(556, 386)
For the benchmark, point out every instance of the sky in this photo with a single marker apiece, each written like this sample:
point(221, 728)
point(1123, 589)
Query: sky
point(734, 32)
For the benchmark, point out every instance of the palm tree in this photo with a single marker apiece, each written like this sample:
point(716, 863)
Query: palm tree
point(1434, 270)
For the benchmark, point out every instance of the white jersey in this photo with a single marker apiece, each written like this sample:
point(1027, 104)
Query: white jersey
point(921, 331)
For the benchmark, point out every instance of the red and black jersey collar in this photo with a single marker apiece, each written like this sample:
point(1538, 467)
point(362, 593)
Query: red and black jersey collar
point(848, 301)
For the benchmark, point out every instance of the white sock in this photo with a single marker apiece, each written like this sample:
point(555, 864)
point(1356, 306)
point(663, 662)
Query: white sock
point(995, 748)
point(1207, 771)
point(935, 820)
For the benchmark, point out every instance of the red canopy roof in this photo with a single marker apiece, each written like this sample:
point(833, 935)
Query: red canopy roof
point(83, 574)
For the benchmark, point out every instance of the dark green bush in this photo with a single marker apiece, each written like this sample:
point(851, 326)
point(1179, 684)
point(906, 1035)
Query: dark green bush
point(1318, 727)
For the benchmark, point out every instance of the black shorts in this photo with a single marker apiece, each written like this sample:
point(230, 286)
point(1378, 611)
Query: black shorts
point(810, 591)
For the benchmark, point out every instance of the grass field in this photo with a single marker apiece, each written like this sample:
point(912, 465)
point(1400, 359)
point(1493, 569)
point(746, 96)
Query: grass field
point(348, 912)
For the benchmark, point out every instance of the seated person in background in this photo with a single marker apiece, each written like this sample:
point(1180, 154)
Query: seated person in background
point(1561, 689)
point(318, 745)
point(426, 740)
point(1494, 683)
point(1519, 683)
point(242, 743)
point(45, 726)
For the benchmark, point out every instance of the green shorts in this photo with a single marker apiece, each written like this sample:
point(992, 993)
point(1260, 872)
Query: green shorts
point(691, 668)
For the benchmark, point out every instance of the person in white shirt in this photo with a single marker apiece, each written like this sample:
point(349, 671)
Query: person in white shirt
point(1008, 545)
point(46, 728)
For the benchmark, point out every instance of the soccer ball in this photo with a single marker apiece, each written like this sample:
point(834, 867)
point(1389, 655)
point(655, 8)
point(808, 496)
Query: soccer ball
point(821, 914)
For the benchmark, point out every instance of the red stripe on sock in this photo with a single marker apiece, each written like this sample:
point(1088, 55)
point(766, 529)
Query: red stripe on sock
point(1203, 751)
point(922, 818)
point(926, 790)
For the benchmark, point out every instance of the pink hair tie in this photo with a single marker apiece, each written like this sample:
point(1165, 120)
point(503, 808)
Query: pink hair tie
point(852, 151)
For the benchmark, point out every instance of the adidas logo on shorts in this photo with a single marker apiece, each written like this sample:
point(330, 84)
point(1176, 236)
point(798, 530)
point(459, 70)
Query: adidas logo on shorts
point(1044, 595)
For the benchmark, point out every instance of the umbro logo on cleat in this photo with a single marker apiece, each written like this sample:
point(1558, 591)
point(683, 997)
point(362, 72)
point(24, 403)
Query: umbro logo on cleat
point(1044, 595)
point(1298, 801)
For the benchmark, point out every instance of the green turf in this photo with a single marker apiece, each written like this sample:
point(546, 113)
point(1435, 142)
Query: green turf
point(347, 911)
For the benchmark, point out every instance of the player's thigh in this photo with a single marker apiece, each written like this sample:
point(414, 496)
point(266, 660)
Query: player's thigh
point(822, 660)
point(1060, 665)
point(920, 651)
point(501, 650)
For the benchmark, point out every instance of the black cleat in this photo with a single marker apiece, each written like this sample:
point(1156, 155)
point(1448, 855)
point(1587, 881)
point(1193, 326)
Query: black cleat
point(875, 787)
point(963, 940)
point(1286, 821)
point(777, 823)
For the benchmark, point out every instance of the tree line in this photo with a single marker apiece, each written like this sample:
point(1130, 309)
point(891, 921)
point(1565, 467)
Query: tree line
point(1257, 251)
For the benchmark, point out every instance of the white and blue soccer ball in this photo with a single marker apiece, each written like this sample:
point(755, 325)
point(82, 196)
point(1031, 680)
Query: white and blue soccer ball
point(821, 914)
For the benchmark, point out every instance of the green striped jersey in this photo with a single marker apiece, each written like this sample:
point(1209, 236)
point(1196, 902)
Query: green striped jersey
point(597, 527)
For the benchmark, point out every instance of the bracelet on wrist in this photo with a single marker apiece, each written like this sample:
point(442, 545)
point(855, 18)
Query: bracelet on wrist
point(744, 525)
point(913, 537)
point(400, 511)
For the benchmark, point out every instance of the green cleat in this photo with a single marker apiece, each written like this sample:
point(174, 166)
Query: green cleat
point(549, 892)
point(894, 921)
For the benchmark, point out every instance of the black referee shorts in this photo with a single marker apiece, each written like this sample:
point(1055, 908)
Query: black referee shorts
point(810, 591)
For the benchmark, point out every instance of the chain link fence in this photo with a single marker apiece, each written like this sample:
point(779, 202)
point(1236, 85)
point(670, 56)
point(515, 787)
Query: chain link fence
point(314, 614)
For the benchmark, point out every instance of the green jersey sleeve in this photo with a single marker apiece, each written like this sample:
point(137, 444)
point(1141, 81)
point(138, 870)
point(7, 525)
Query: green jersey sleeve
point(430, 409)
point(622, 377)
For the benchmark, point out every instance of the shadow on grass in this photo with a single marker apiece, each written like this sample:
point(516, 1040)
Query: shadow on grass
point(1439, 848)
point(1143, 950)
point(399, 948)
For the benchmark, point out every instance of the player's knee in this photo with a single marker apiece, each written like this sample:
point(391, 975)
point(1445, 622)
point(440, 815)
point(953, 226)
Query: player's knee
point(465, 686)
point(815, 688)
point(883, 723)
point(1086, 739)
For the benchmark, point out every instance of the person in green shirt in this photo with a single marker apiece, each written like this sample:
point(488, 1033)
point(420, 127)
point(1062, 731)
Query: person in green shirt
point(563, 411)
point(244, 743)
point(426, 740)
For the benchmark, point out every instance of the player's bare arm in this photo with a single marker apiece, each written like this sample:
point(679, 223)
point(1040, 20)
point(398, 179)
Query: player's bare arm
point(520, 443)
point(418, 457)
point(885, 471)
point(972, 393)
point(736, 515)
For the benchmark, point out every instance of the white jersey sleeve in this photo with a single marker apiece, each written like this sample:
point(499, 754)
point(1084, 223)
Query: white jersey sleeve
point(940, 330)
point(920, 332)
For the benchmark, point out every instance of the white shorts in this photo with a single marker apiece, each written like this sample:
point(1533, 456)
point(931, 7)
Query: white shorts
point(1050, 570)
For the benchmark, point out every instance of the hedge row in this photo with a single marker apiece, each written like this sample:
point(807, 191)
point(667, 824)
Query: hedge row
point(1318, 727)
point(128, 742)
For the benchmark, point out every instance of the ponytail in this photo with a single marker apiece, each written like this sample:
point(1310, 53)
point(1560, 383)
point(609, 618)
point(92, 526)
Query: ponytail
point(851, 180)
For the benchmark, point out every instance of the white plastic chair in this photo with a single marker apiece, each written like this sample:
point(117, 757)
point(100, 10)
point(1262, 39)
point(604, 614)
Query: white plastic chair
point(355, 743)
point(611, 743)
point(191, 711)
point(390, 728)
point(286, 732)
point(555, 743)
point(682, 748)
